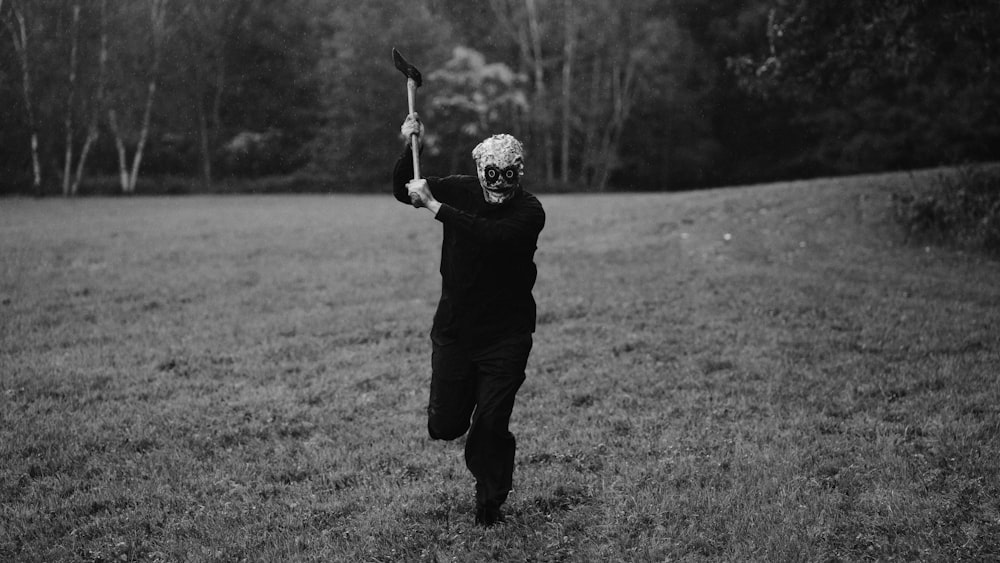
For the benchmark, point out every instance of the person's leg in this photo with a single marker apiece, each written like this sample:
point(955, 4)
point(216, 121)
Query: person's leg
point(453, 390)
point(489, 449)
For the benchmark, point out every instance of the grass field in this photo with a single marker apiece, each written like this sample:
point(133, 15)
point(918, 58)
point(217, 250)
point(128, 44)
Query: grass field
point(755, 374)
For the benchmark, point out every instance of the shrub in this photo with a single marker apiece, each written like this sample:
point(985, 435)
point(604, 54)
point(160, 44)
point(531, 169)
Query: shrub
point(297, 182)
point(146, 185)
point(960, 207)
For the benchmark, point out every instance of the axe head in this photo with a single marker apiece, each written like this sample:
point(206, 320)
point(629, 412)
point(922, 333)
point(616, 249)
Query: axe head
point(406, 68)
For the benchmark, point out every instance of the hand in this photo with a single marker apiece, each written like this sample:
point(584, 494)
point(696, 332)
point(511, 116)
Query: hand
point(420, 193)
point(412, 126)
point(421, 196)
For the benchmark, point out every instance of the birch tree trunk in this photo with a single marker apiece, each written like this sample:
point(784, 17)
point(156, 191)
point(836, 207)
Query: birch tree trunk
point(521, 21)
point(120, 149)
point(613, 68)
point(158, 17)
point(20, 37)
point(93, 131)
point(541, 104)
point(144, 132)
point(206, 152)
point(569, 49)
point(70, 98)
point(208, 127)
point(622, 84)
point(616, 38)
point(129, 175)
point(212, 25)
point(592, 114)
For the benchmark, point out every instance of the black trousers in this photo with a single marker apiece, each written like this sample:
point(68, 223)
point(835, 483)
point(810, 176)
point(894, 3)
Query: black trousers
point(473, 388)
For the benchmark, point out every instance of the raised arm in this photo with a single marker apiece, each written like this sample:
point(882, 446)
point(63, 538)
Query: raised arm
point(411, 129)
point(520, 227)
point(401, 174)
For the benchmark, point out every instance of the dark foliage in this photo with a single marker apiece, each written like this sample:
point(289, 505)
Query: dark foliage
point(160, 185)
point(730, 92)
point(889, 84)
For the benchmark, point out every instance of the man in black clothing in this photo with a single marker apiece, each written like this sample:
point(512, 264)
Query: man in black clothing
point(482, 331)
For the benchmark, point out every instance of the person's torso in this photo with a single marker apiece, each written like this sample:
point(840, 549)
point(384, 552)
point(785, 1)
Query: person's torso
point(486, 287)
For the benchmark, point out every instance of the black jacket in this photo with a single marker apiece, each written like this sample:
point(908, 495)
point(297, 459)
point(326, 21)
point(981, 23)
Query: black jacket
point(487, 257)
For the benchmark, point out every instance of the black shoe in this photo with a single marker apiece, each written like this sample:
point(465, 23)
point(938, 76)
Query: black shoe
point(489, 515)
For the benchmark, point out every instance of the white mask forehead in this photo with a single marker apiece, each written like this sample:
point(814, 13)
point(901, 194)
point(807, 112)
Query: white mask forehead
point(500, 151)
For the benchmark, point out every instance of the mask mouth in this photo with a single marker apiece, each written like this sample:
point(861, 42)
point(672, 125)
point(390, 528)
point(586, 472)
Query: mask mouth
point(499, 193)
point(502, 190)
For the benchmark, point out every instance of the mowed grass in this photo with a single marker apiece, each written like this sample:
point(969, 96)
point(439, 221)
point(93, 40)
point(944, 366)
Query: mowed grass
point(762, 374)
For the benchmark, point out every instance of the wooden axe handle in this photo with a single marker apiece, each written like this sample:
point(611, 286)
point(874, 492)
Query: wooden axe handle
point(411, 90)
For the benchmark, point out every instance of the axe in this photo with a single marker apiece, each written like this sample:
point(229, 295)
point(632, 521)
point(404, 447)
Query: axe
point(413, 81)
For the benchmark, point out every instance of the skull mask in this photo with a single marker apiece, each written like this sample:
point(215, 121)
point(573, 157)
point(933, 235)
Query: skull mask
point(499, 165)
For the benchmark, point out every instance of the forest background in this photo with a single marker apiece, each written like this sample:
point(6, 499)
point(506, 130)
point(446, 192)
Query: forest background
point(177, 96)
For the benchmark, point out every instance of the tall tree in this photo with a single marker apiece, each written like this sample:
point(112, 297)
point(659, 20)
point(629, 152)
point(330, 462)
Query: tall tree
point(21, 34)
point(156, 35)
point(471, 100)
point(272, 91)
point(209, 29)
point(96, 104)
point(364, 95)
point(625, 41)
point(70, 98)
point(523, 23)
point(570, 33)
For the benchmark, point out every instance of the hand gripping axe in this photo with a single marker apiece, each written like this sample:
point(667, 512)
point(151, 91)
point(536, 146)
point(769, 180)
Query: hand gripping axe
point(413, 81)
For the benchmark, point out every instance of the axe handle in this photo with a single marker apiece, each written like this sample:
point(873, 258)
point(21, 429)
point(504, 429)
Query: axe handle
point(411, 90)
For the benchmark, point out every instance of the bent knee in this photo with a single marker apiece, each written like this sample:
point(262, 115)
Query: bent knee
point(439, 430)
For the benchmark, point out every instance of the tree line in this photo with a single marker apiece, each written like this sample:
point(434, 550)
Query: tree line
point(646, 94)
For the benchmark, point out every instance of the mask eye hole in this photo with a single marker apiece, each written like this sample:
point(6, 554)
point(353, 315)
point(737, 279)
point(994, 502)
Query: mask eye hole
point(491, 173)
point(509, 174)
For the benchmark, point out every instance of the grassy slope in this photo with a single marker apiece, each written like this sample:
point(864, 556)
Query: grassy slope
point(245, 378)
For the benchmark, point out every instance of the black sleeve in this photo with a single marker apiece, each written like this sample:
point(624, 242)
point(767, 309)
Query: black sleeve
point(401, 174)
point(444, 190)
point(522, 226)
